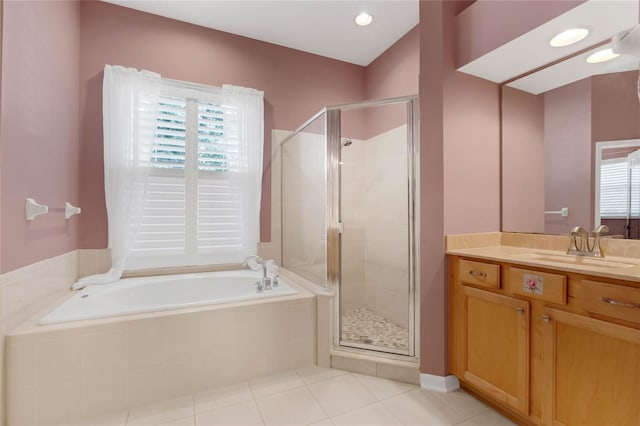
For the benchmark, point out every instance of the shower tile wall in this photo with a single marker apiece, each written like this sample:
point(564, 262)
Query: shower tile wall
point(304, 207)
point(386, 225)
point(353, 214)
point(374, 213)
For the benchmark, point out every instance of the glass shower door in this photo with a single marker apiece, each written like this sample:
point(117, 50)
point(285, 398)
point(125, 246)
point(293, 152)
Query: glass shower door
point(376, 209)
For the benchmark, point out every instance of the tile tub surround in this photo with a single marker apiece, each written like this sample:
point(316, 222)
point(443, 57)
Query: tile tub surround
point(63, 372)
point(27, 290)
point(309, 395)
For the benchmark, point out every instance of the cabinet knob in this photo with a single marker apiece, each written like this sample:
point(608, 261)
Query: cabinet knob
point(520, 310)
point(545, 318)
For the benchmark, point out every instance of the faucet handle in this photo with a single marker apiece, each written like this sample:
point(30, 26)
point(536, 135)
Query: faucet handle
point(602, 229)
point(577, 230)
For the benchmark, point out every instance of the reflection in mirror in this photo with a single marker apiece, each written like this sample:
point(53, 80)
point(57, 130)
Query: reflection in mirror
point(549, 147)
point(617, 187)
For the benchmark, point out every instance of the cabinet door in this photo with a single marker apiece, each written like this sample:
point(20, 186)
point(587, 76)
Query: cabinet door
point(495, 346)
point(591, 371)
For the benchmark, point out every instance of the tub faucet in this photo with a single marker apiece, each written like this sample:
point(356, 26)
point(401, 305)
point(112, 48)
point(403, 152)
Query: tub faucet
point(265, 282)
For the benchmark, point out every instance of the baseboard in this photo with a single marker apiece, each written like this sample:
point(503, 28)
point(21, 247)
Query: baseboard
point(439, 383)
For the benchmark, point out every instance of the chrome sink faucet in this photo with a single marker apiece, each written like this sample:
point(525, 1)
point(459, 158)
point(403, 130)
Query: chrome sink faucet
point(265, 282)
point(583, 248)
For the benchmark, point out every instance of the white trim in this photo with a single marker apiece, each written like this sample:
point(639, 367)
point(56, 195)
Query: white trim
point(442, 384)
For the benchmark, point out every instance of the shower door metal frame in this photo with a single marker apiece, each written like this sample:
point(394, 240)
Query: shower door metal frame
point(334, 248)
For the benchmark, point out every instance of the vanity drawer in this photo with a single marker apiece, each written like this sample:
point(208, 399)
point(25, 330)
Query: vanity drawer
point(538, 285)
point(614, 301)
point(480, 274)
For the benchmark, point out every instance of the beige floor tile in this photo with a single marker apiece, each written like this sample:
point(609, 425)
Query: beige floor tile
point(161, 412)
point(383, 388)
point(244, 414)
point(112, 419)
point(462, 403)
point(341, 394)
point(222, 397)
point(325, 422)
point(185, 421)
point(275, 384)
point(314, 374)
point(420, 408)
point(371, 415)
point(295, 407)
point(488, 418)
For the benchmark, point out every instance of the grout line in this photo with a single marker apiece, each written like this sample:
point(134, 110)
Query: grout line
point(255, 401)
point(316, 399)
point(193, 401)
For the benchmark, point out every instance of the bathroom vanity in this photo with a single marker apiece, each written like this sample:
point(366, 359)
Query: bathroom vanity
point(547, 338)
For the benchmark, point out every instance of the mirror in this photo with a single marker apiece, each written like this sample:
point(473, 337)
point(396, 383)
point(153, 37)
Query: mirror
point(563, 129)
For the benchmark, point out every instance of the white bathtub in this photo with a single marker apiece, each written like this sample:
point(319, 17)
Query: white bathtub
point(151, 294)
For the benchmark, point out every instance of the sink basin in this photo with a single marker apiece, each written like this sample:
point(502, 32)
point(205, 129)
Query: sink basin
point(566, 259)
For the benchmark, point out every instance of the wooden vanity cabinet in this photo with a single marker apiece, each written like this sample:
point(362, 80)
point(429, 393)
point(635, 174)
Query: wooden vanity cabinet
point(591, 371)
point(566, 355)
point(494, 350)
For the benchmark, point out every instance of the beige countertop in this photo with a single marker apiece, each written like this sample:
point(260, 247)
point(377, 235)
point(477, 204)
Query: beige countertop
point(619, 268)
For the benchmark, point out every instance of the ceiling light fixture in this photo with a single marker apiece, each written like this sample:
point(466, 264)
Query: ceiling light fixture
point(569, 37)
point(602, 56)
point(363, 19)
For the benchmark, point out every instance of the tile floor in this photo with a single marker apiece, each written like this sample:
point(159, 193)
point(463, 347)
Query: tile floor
point(312, 396)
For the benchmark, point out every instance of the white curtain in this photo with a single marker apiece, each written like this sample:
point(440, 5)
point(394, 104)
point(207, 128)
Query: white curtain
point(247, 175)
point(129, 108)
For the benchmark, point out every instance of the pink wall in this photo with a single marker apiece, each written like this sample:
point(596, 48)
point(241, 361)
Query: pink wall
point(522, 161)
point(615, 92)
point(296, 84)
point(488, 24)
point(459, 168)
point(39, 143)
point(568, 156)
point(471, 154)
point(433, 283)
point(392, 74)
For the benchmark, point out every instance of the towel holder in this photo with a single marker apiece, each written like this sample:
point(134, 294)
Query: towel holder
point(33, 209)
point(564, 212)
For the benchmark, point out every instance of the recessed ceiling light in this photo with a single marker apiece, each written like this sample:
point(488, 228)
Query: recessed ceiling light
point(602, 56)
point(364, 19)
point(569, 37)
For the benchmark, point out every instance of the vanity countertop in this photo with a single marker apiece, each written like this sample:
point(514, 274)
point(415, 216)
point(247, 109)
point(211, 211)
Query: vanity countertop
point(619, 268)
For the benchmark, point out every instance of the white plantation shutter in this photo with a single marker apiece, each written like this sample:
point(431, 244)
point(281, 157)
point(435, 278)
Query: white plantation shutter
point(614, 189)
point(193, 212)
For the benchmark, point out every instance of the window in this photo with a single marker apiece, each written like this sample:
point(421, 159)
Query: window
point(193, 208)
point(616, 177)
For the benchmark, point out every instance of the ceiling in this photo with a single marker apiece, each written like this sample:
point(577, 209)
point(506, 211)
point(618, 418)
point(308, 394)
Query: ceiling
point(531, 50)
point(321, 27)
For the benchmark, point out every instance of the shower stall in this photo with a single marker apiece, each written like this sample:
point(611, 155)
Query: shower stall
point(347, 218)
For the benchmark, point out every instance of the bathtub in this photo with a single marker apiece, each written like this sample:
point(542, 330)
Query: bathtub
point(212, 330)
point(150, 294)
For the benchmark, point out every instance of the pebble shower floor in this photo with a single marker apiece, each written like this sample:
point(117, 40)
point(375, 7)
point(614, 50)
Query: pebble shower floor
point(362, 325)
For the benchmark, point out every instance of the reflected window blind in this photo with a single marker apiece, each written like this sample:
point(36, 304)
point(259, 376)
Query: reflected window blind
point(615, 182)
point(192, 212)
